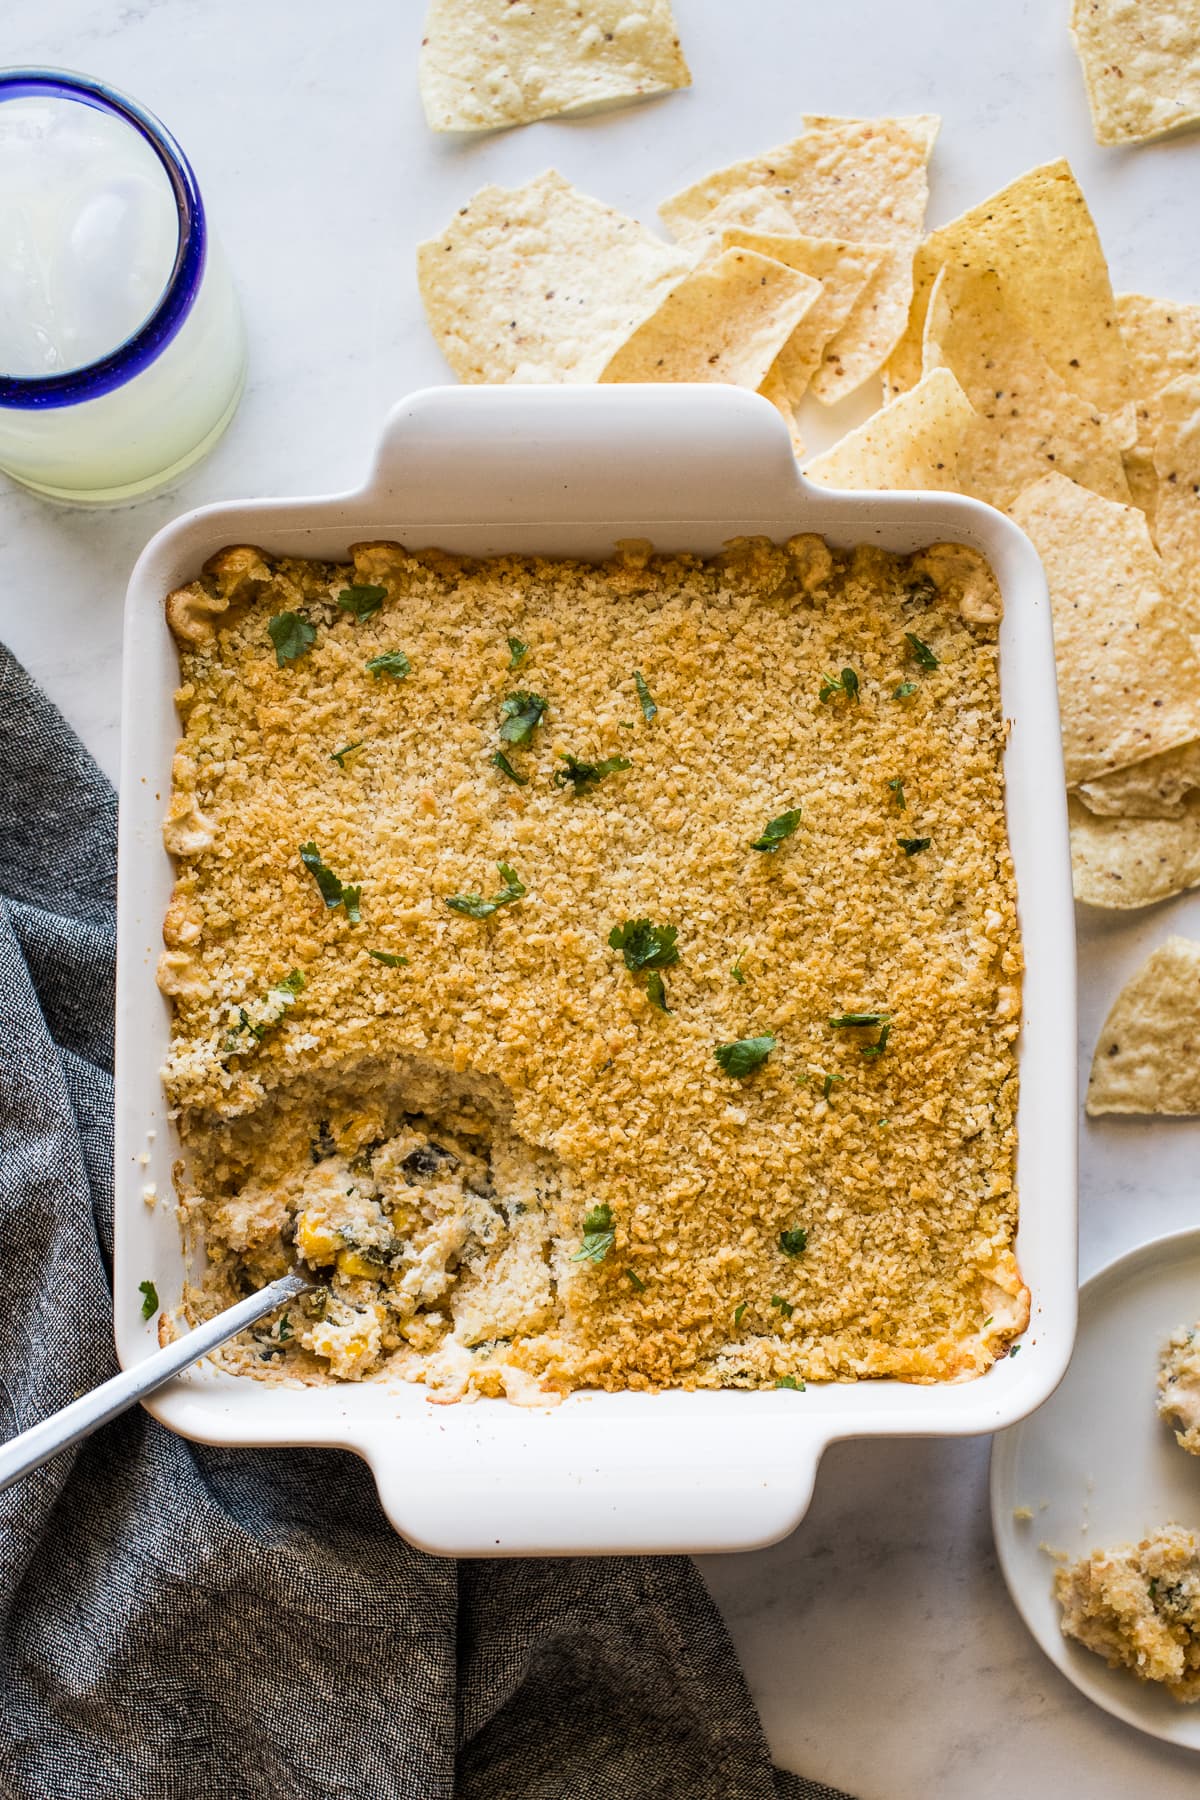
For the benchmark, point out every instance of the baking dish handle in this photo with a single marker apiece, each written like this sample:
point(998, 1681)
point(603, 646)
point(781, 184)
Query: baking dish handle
point(600, 1476)
point(462, 455)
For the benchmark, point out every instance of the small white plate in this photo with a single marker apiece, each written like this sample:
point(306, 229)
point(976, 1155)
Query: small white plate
point(1098, 1467)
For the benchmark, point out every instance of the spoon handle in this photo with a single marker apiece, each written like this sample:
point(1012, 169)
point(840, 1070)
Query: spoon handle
point(30, 1449)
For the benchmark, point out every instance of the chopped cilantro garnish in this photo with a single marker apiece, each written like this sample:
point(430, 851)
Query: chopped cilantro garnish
point(517, 651)
point(333, 893)
point(635, 1281)
point(738, 1311)
point(987, 1321)
point(789, 1381)
point(846, 683)
point(389, 959)
point(645, 696)
point(897, 788)
point(737, 971)
point(878, 1048)
point(283, 992)
point(921, 651)
point(645, 946)
point(339, 756)
point(911, 846)
point(292, 636)
point(1014, 1350)
point(391, 662)
point(838, 1020)
point(473, 906)
point(362, 601)
point(827, 1085)
point(745, 1055)
point(501, 762)
point(149, 1294)
point(598, 1236)
point(776, 830)
point(782, 1305)
point(904, 690)
point(520, 714)
point(794, 1241)
point(656, 991)
point(583, 775)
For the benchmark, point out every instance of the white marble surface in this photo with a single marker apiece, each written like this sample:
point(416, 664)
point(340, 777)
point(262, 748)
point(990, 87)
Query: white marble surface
point(879, 1640)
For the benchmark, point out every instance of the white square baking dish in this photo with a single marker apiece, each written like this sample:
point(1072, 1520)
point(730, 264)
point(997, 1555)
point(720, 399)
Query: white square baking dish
point(568, 471)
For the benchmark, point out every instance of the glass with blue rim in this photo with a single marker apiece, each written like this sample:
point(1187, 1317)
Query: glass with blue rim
point(122, 350)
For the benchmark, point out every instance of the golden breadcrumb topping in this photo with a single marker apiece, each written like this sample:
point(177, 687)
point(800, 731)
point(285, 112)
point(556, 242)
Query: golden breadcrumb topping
point(509, 1152)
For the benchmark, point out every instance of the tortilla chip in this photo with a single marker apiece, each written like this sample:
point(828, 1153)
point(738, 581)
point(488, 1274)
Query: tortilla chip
point(726, 321)
point(843, 269)
point(859, 179)
point(1162, 340)
point(846, 178)
point(1128, 681)
point(1125, 863)
point(1143, 485)
point(491, 63)
point(1148, 1054)
point(912, 443)
point(1027, 422)
point(1177, 511)
point(540, 283)
point(745, 209)
point(866, 340)
point(1155, 789)
point(1038, 236)
point(1141, 65)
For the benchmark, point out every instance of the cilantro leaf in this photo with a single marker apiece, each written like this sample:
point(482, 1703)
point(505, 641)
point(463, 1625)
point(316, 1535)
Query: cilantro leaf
point(838, 1020)
point(924, 655)
point(832, 685)
point(635, 1281)
point(744, 1056)
point(656, 991)
point(473, 906)
point(897, 788)
point(292, 636)
point(783, 1306)
point(776, 830)
point(789, 1381)
point(501, 762)
point(649, 710)
point(598, 1236)
point(332, 891)
point(645, 946)
point(390, 662)
point(362, 601)
point(737, 971)
point(904, 690)
point(517, 651)
point(911, 846)
point(389, 959)
point(738, 1311)
point(794, 1241)
point(827, 1085)
point(339, 756)
point(583, 775)
point(520, 714)
point(149, 1294)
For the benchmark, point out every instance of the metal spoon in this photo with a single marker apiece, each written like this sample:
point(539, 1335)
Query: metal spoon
point(30, 1449)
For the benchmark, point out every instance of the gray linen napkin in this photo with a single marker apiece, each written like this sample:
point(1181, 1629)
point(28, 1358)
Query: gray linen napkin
point(182, 1623)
